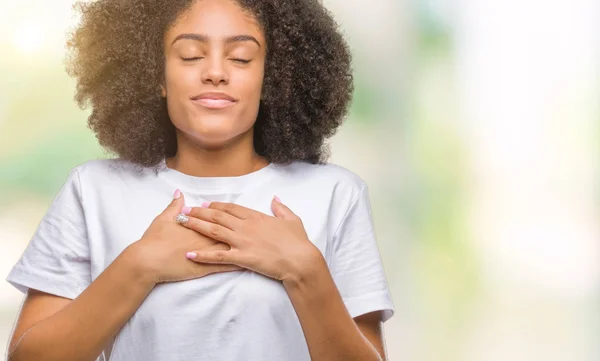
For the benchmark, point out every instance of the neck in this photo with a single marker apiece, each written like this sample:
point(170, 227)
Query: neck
point(236, 158)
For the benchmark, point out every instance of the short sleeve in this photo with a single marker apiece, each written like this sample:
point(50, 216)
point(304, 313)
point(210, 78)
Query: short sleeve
point(356, 264)
point(57, 259)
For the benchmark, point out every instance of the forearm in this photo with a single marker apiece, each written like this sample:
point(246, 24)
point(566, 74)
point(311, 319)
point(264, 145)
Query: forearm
point(330, 331)
point(82, 329)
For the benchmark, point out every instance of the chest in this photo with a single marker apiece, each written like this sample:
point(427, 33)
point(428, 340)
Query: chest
point(117, 221)
point(223, 316)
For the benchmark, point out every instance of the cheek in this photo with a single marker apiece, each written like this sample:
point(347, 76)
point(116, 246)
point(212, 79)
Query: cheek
point(179, 83)
point(180, 79)
point(252, 86)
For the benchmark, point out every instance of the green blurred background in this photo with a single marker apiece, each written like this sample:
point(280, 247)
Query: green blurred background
point(475, 124)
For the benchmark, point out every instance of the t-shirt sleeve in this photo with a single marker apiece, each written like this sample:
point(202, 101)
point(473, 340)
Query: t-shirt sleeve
point(356, 264)
point(57, 258)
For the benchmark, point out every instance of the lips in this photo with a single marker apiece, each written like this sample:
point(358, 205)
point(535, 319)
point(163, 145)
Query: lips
point(214, 100)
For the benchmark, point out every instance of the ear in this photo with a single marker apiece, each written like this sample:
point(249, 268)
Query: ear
point(163, 91)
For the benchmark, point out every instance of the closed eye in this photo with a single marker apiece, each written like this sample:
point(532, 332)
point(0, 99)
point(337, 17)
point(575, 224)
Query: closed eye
point(191, 59)
point(243, 61)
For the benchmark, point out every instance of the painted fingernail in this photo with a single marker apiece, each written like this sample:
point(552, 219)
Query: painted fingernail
point(186, 210)
point(205, 204)
point(190, 255)
point(277, 199)
point(177, 194)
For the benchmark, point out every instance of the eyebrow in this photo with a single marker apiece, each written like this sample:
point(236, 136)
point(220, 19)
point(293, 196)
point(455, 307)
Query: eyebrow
point(204, 38)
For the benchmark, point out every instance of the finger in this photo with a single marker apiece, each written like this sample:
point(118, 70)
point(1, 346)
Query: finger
point(280, 210)
point(211, 230)
point(216, 257)
point(235, 210)
point(199, 269)
point(175, 206)
point(213, 216)
point(218, 268)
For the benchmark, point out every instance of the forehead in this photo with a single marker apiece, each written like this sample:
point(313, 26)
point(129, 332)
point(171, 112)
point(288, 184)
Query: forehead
point(216, 18)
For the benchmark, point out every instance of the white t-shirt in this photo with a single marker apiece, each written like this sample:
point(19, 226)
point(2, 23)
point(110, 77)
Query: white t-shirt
point(105, 205)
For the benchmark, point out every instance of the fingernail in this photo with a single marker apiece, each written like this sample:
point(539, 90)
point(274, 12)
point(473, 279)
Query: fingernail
point(186, 210)
point(277, 199)
point(205, 204)
point(190, 255)
point(177, 194)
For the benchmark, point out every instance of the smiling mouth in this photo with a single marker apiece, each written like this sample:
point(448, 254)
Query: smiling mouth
point(213, 103)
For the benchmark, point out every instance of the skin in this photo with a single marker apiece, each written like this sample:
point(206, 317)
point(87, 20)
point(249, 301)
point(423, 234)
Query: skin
point(219, 143)
point(213, 143)
point(255, 241)
point(53, 328)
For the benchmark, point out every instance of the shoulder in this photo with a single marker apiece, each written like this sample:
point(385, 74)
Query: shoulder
point(331, 176)
point(97, 174)
point(325, 172)
point(110, 167)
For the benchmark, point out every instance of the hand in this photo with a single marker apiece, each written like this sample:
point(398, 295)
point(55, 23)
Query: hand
point(277, 247)
point(161, 250)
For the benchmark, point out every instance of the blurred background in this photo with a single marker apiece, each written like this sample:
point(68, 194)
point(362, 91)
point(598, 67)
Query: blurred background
point(475, 124)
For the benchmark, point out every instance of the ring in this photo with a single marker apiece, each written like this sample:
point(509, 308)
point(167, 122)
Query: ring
point(181, 218)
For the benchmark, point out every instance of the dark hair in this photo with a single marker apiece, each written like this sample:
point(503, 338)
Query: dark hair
point(116, 55)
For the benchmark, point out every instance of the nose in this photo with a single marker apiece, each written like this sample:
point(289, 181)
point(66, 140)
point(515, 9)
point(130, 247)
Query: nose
point(214, 71)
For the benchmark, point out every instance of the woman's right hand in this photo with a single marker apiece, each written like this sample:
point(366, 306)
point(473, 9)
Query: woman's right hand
point(162, 249)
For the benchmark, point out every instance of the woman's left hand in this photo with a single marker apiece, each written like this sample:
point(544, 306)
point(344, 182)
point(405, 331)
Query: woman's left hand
point(277, 247)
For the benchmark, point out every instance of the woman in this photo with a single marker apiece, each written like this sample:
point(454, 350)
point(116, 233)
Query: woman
point(181, 249)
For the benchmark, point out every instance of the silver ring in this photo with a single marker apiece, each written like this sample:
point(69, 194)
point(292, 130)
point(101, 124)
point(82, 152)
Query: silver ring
point(181, 218)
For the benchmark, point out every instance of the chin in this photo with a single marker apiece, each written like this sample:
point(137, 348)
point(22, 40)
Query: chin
point(211, 143)
point(217, 138)
point(214, 133)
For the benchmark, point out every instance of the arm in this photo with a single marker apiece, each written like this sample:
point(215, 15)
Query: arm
point(81, 328)
point(329, 330)
point(256, 244)
point(371, 326)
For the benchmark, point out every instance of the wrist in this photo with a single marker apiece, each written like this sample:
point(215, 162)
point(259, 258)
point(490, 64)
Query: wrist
point(137, 265)
point(308, 267)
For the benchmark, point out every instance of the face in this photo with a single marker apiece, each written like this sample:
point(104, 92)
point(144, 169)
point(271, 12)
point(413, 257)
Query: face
point(214, 69)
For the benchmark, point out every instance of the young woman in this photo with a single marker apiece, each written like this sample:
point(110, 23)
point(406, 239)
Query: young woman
point(219, 232)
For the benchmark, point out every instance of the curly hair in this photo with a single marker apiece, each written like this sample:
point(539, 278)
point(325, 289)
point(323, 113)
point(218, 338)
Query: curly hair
point(116, 55)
